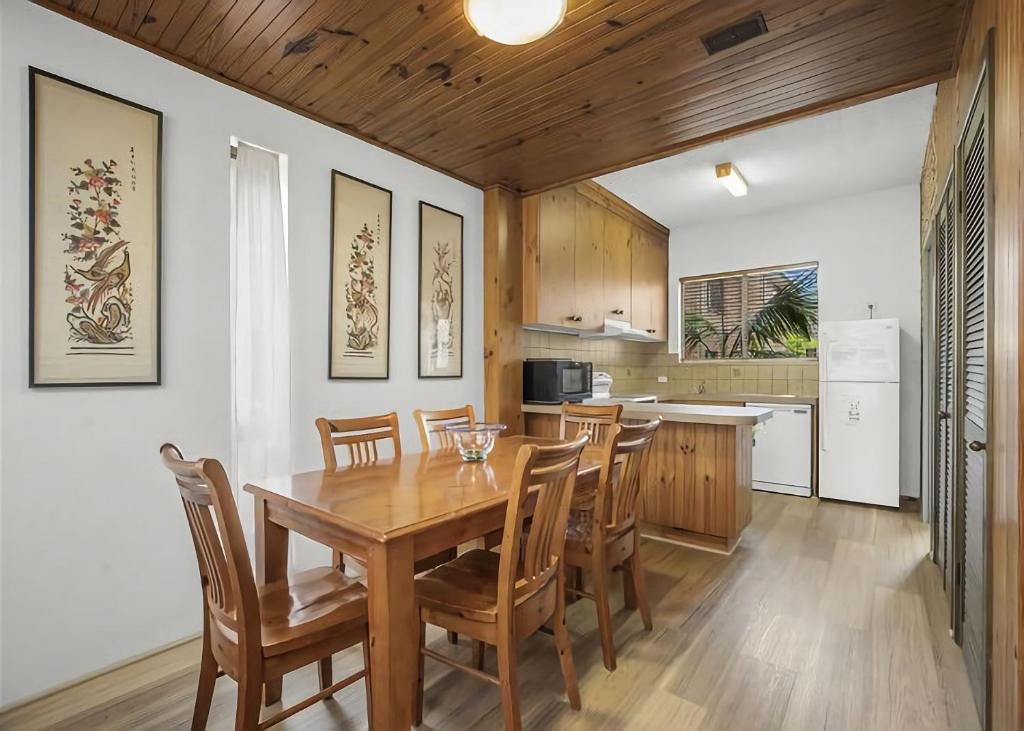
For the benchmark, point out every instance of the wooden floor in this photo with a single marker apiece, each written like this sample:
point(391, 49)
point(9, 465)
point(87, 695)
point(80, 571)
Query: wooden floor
point(827, 616)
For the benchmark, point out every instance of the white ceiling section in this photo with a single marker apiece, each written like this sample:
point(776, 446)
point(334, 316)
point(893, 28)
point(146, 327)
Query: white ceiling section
point(868, 147)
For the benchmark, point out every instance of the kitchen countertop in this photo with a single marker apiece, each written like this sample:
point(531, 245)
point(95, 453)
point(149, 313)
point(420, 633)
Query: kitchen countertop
point(685, 413)
point(739, 398)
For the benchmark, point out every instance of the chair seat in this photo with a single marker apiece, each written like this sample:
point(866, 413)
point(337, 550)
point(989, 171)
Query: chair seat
point(579, 533)
point(579, 541)
point(466, 586)
point(308, 606)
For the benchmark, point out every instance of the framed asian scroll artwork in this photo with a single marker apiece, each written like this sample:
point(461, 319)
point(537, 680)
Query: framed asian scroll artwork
point(440, 293)
point(360, 314)
point(94, 281)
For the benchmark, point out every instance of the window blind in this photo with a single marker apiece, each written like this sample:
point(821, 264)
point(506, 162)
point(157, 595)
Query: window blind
point(763, 313)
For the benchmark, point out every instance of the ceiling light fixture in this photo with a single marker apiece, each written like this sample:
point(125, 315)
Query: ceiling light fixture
point(514, 22)
point(729, 176)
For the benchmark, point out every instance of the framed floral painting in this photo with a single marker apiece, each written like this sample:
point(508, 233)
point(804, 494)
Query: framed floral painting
point(440, 293)
point(94, 237)
point(359, 319)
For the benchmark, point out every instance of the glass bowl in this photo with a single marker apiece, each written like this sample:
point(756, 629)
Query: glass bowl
point(475, 442)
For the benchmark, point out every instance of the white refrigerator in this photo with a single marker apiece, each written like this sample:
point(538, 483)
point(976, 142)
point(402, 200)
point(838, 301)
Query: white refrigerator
point(859, 411)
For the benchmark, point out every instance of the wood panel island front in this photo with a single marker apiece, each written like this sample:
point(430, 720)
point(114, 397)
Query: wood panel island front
point(698, 487)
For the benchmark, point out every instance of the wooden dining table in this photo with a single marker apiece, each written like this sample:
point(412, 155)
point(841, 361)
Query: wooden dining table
point(389, 514)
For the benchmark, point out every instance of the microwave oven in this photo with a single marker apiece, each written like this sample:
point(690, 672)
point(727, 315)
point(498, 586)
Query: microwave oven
point(556, 380)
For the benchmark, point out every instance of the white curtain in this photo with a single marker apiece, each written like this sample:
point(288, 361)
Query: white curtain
point(260, 360)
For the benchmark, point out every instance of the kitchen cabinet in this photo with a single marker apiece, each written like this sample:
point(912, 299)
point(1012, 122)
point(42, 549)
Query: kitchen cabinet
point(697, 485)
point(588, 272)
point(649, 290)
point(588, 256)
point(618, 267)
point(550, 245)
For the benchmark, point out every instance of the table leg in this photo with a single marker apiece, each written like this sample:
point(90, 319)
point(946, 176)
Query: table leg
point(394, 634)
point(271, 565)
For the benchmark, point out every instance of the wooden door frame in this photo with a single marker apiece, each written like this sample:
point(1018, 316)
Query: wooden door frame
point(949, 564)
point(984, 83)
point(929, 383)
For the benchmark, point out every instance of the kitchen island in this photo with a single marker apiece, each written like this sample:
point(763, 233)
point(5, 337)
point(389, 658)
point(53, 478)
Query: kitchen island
point(698, 487)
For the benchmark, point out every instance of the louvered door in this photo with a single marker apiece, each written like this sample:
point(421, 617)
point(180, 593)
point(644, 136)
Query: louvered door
point(944, 454)
point(975, 210)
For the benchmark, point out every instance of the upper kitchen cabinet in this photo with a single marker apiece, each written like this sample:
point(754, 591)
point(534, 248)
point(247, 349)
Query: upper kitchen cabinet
point(588, 275)
point(549, 258)
point(649, 255)
point(618, 267)
point(588, 256)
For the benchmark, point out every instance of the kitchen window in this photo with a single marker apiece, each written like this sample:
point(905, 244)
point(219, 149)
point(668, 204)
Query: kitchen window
point(754, 314)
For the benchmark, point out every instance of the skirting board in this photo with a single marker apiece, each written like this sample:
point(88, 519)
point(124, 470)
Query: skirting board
point(99, 675)
point(700, 541)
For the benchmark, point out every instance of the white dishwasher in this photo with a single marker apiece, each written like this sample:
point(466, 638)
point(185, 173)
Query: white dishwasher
point(782, 450)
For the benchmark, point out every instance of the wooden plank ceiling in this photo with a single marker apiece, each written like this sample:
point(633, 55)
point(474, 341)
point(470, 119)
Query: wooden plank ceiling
point(621, 81)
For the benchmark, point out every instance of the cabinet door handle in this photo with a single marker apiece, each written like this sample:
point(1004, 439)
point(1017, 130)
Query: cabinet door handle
point(651, 330)
point(618, 311)
point(575, 318)
point(977, 446)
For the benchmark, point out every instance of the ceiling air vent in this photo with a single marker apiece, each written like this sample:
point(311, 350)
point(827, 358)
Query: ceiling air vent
point(735, 34)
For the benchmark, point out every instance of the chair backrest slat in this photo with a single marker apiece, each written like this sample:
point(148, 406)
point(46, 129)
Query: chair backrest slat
point(437, 422)
point(552, 469)
point(629, 447)
point(360, 435)
point(226, 575)
point(597, 420)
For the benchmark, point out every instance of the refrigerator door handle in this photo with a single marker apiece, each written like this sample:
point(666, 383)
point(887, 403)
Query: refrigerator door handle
point(823, 358)
point(822, 420)
point(823, 378)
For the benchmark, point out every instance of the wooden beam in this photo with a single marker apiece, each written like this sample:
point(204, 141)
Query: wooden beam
point(503, 307)
point(811, 110)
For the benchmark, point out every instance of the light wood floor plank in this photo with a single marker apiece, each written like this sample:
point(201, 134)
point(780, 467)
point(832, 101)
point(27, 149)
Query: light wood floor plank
point(827, 616)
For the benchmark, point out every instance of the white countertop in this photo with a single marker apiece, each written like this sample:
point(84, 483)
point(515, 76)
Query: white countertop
point(738, 398)
point(685, 413)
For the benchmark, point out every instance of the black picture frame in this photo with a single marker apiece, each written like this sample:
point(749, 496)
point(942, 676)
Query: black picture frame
point(35, 73)
point(462, 293)
point(330, 290)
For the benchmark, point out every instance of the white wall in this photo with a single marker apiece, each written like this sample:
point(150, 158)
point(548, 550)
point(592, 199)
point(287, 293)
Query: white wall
point(97, 565)
point(867, 248)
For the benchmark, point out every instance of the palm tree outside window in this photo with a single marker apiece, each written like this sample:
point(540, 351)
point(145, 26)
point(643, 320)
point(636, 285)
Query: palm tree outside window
point(754, 314)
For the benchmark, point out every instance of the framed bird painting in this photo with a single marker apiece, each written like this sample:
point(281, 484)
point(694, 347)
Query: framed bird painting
point(94, 301)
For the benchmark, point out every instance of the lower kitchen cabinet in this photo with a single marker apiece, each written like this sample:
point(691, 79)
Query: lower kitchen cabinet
point(698, 488)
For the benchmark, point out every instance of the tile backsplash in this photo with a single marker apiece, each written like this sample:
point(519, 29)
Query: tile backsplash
point(635, 367)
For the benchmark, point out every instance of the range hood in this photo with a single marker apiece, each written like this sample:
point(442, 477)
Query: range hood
point(612, 330)
point(619, 330)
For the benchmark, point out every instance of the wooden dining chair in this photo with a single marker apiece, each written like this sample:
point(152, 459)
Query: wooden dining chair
point(606, 536)
point(594, 419)
point(597, 420)
point(436, 423)
point(360, 435)
point(499, 600)
point(257, 633)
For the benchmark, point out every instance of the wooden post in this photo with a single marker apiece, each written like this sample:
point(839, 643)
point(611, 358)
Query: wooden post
point(503, 307)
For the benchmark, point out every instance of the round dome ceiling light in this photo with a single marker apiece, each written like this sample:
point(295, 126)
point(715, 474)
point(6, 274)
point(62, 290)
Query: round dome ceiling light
point(514, 22)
